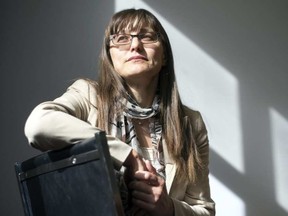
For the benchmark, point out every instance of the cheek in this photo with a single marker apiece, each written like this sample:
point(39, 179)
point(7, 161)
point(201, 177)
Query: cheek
point(159, 54)
point(114, 59)
point(159, 57)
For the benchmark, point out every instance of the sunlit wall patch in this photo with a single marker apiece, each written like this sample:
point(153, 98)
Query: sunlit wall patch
point(279, 136)
point(207, 86)
point(235, 204)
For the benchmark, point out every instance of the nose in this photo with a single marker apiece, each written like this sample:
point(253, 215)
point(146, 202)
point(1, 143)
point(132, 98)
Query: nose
point(135, 43)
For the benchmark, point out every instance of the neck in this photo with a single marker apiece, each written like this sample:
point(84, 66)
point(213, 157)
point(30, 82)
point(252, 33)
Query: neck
point(143, 94)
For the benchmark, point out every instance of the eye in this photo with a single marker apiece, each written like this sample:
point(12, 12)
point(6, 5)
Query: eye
point(122, 38)
point(148, 37)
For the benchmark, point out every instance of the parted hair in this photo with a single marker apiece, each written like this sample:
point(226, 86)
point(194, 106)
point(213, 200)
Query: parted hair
point(176, 132)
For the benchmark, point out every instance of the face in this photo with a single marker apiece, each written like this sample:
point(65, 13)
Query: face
point(137, 60)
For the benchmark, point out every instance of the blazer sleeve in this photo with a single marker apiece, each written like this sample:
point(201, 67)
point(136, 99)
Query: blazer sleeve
point(196, 199)
point(68, 120)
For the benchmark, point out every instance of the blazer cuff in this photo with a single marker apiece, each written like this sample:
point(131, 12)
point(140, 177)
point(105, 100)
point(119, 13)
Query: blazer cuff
point(119, 151)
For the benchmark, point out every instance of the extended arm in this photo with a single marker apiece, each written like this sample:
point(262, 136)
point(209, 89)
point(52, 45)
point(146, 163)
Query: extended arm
point(68, 120)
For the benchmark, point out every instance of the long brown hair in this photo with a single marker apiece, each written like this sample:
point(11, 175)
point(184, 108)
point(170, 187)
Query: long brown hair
point(177, 133)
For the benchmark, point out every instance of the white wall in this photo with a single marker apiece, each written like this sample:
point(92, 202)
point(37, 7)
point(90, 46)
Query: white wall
point(231, 64)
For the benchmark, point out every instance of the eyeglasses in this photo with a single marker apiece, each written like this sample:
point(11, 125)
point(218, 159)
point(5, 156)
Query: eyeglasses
point(124, 39)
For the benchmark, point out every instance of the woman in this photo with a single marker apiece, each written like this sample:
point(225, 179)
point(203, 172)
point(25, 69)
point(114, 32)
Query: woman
point(161, 144)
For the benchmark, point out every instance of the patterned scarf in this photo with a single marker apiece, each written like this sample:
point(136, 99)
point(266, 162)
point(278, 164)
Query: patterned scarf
point(123, 128)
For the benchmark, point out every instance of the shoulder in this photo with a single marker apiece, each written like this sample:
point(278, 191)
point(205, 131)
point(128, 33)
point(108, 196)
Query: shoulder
point(81, 92)
point(84, 85)
point(86, 88)
point(194, 121)
point(194, 117)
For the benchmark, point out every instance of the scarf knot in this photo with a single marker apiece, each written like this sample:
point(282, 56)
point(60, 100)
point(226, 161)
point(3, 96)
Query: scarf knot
point(133, 110)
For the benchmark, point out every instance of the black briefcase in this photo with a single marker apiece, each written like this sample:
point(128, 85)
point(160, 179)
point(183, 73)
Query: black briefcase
point(76, 181)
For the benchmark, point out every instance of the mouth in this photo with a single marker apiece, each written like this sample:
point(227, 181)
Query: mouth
point(138, 57)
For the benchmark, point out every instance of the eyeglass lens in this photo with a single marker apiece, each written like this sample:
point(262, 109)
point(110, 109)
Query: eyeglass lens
point(121, 39)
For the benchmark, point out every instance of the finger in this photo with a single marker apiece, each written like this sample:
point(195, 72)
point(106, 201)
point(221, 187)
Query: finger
point(149, 167)
point(146, 197)
point(142, 186)
point(143, 205)
point(145, 175)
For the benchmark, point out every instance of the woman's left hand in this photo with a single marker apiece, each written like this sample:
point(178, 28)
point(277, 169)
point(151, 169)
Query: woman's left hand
point(149, 192)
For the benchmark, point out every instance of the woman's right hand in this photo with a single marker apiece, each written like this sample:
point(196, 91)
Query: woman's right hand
point(133, 163)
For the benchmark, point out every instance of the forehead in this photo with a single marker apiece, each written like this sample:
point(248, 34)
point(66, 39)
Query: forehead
point(135, 24)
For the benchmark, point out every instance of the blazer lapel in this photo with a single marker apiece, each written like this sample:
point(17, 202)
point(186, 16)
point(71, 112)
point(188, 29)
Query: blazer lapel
point(170, 174)
point(170, 168)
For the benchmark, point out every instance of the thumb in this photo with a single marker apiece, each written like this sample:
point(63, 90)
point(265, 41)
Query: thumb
point(149, 167)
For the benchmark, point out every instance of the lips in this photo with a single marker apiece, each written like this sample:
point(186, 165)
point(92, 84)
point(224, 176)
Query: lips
point(137, 57)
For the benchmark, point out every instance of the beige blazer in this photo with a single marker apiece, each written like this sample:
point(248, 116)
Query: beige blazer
point(72, 117)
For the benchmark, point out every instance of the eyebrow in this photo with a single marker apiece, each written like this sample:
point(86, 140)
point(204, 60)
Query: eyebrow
point(142, 30)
